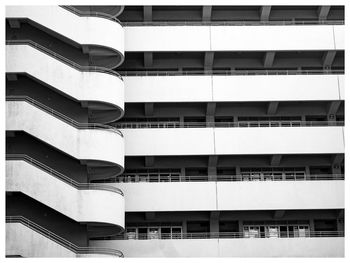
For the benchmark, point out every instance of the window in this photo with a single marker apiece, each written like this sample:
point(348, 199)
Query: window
point(251, 231)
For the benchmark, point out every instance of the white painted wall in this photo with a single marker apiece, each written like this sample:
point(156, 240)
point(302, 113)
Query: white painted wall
point(21, 240)
point(80, 205)
point(223, 38)
point(168, 88)
point(211, 196)
point(267, 247)
point(281, 140)
point(187, 141)
point(211, 141)
point(86, 144)
point(280, 195)
point(175, 196)
point(83, 86)
point(82, 30)
point(233, 88)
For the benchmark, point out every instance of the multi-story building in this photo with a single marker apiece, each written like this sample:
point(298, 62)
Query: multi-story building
point(175, 131)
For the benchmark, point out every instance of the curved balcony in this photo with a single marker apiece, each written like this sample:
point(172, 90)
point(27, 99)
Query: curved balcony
point(28, 239)
point(100, 88)
point(100, 146)
point(90, 32)
point(108, 11)
point(82, 202)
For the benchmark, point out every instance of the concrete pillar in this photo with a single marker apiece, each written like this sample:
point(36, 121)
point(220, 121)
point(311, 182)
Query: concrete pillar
point(240, 226)
point(340, 224)
point(238, 173)
point(184, 226)
point(210, 121)
point(307, 171)
point(183, 174)
point(214, 225)
point(312, 225)
point(212, 173)
point(182, 121)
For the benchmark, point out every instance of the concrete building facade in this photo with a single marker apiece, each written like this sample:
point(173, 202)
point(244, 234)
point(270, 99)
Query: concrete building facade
point(122, 139)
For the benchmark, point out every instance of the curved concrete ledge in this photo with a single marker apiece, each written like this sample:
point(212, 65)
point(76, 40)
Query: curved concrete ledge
point(99, 146)
point(83, 86)
point(87, 31)
point(93, 205)
point(22, 240)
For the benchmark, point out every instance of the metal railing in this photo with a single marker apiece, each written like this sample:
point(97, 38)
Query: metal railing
point(153, 178)
point(61, 241)
point(62, 177)
point(63, 59)
point(238, 124)
point(78, 12)
point(62, 117)
point(235, 23)
point(211, 235)
point(231, 72)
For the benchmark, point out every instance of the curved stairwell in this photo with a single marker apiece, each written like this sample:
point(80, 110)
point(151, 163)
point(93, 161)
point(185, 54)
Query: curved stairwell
point(99, 88)
point(71, 63)
point(82, 202)
point(86, 30)
point(99, 146)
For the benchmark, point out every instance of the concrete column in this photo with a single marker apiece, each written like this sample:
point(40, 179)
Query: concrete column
point(307, 171)
point(184, 226)
point(240, 226)
point(183, 174)
point(210, 121)
point(212, 173)
point(214, 225)
point(238, 173)
point(340, 225)
point(182, 120)
point(312, 224)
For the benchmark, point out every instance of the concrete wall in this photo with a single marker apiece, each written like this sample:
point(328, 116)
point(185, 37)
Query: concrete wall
point(233, 88)
point(223, 38)
point(280, 247)
point(211, 141)
point(83, 30)
point(21, 240)
point(83, 86)
point(80, 205)
point(210, 196)
point(86, 144)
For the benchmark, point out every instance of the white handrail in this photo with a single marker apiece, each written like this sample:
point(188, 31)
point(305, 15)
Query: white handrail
point(63, 117)
point(63, 59)
point(62, 177)
point(63, 242)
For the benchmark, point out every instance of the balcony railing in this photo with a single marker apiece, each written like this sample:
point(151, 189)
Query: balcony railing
point(267, 177)
point(78, 12)
point(238, 124)
point(232, 72)
point(62, 117)
point(216, 235)
point(235, 23)
point(62, 58)
point(62, 177)
point(61, 241)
